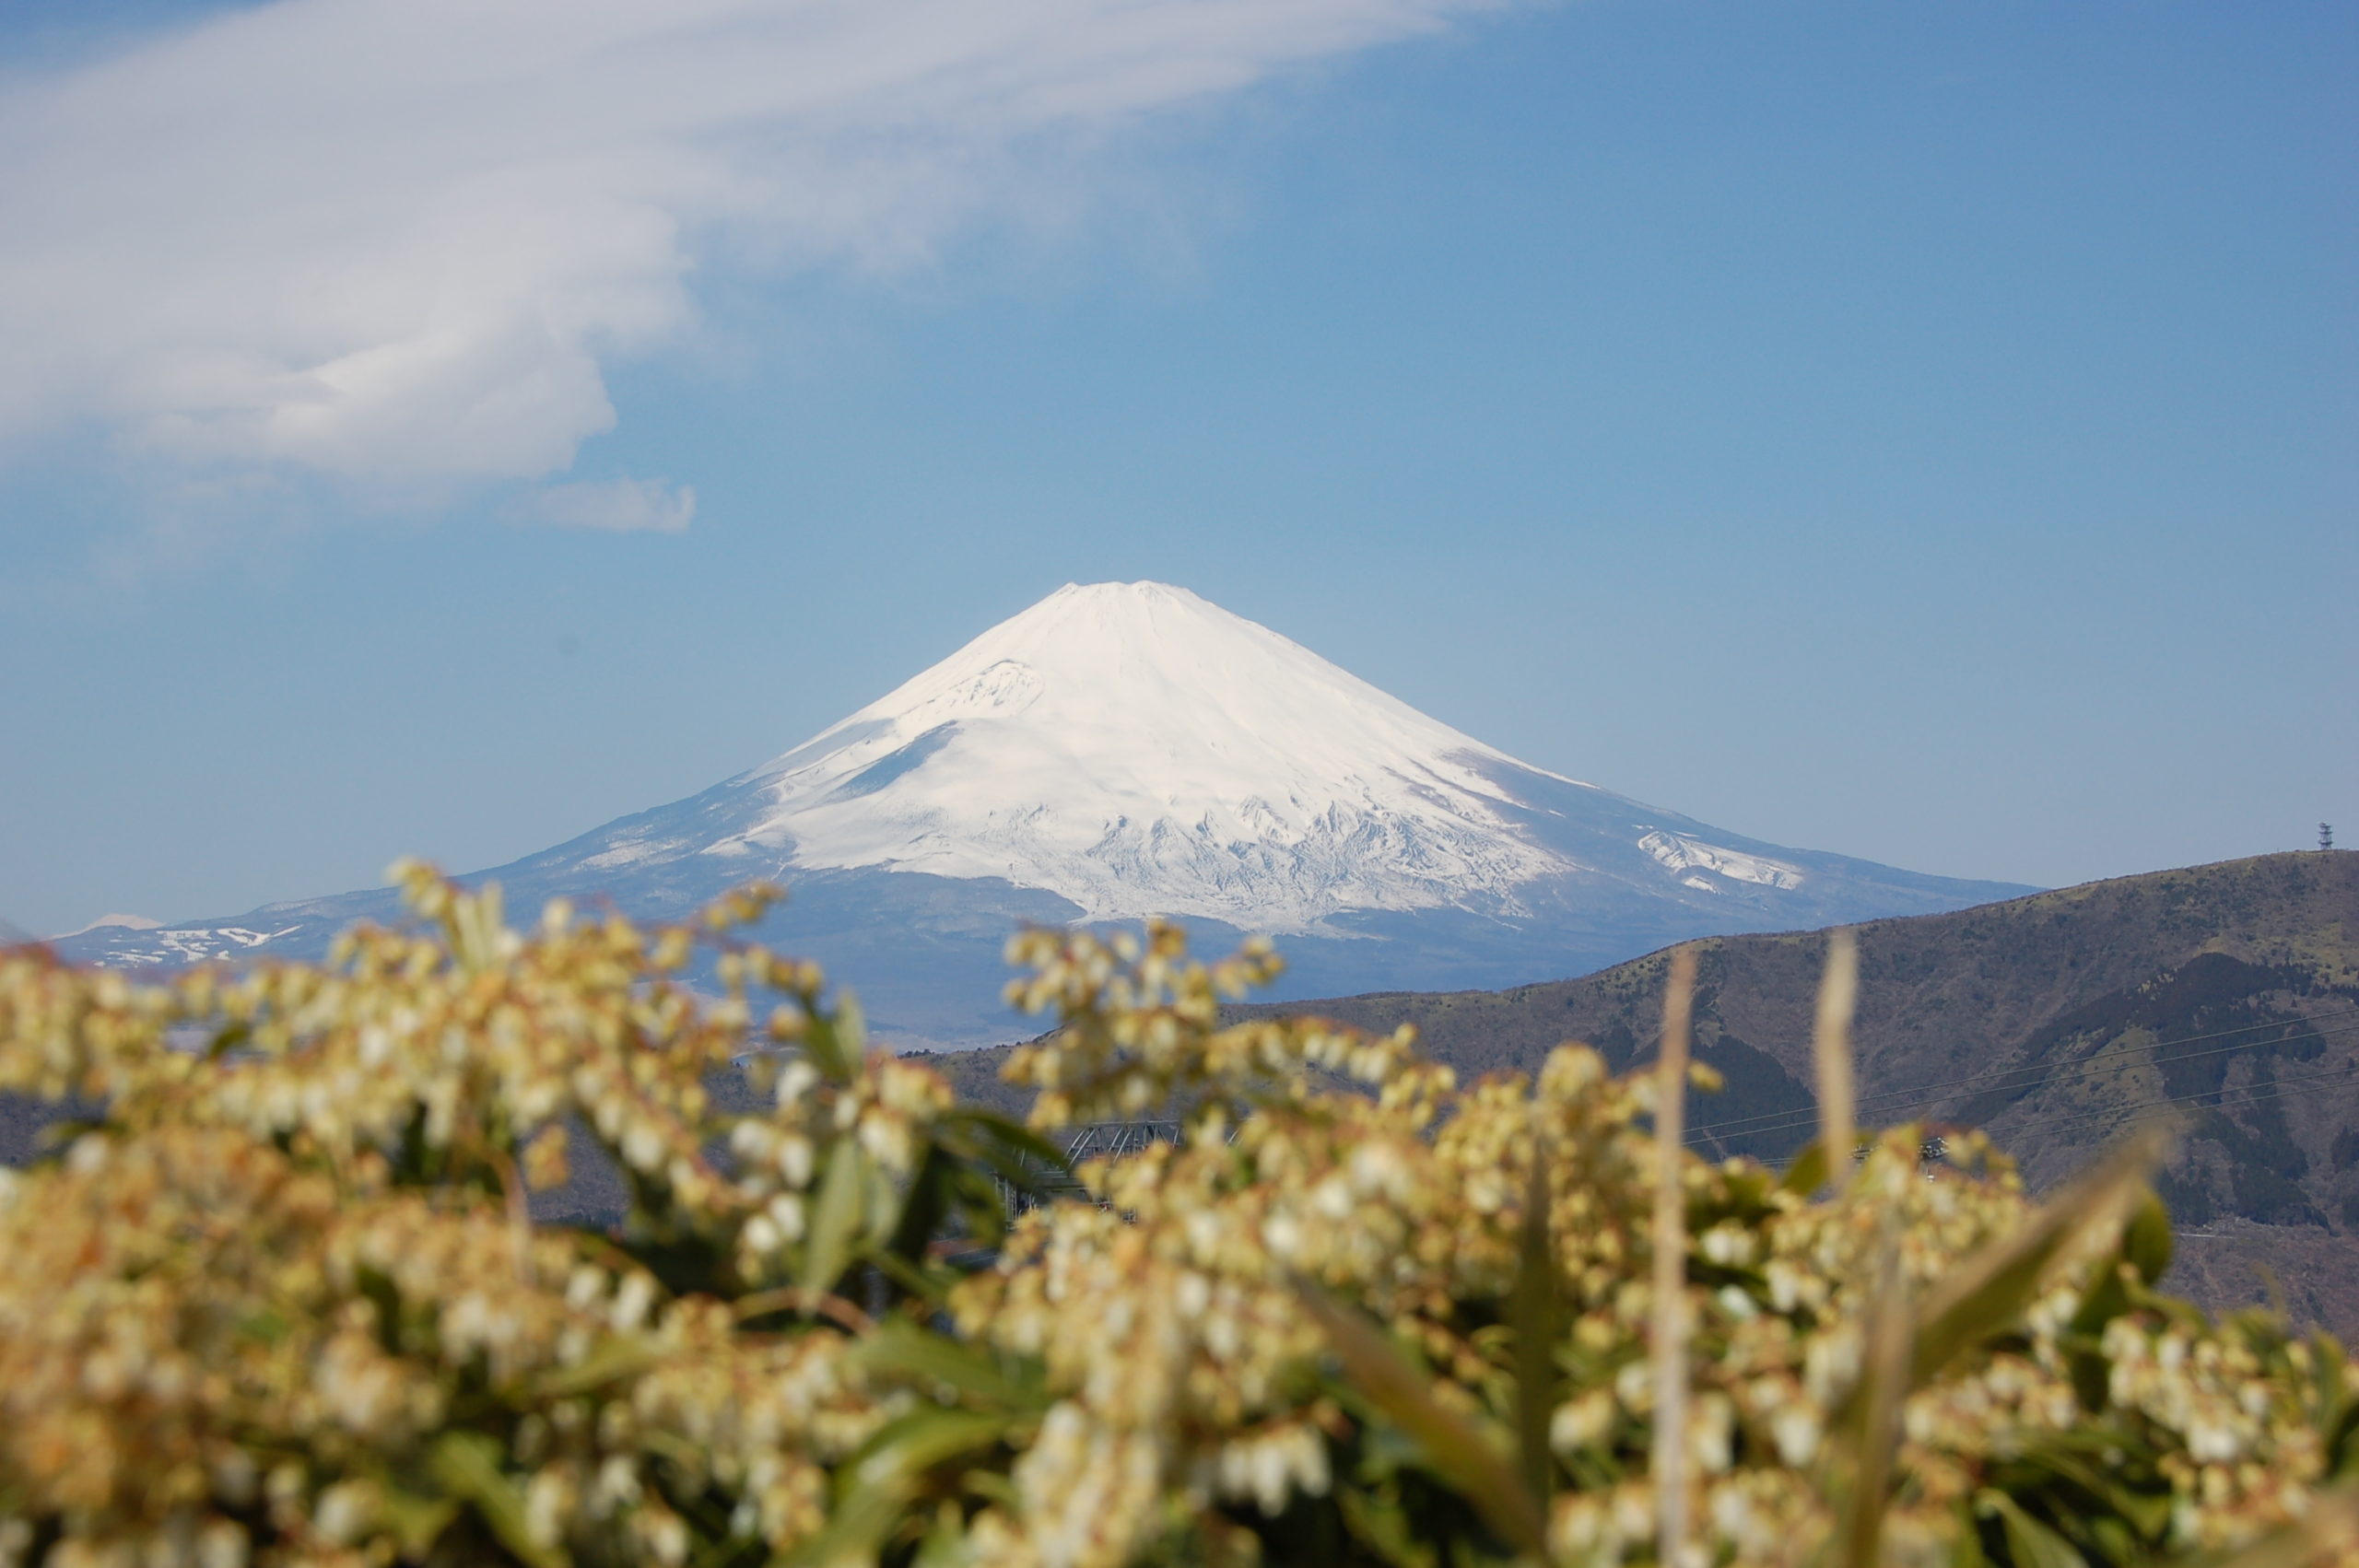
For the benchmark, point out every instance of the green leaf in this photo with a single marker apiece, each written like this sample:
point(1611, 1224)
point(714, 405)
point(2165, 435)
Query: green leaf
point(990, 1128)
point(1808, 1173)
point(414, 1522)
point(2342, 1443)
point(617, 1357)
point(1532, 1313)
point(881, 1203)
point(2029, 1542)
point(977, 1207)
point(2096, 1490)
point(994, 1488)
point(926, 1281)
point(1015, 1154)
point(823, 1045)
point(267, 1326)
point(944, 1545)
point(2111, 1539)
point(901, 1347)
point(874, 1489)
point(2106, 1298)
point(467, 1465)
point(931, 1194)
point(1377, 1521)
point(2146, 1242)
point(853, 1532)
point(834, 1218)
point(908, 1446)
point(228, 1039)
point(1965, 1547)
point(2092, 1378)
point(1454, 1449)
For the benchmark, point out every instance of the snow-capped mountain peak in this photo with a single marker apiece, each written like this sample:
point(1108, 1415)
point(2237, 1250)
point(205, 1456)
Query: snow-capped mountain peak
point(1139, 750)
point(1127, 749)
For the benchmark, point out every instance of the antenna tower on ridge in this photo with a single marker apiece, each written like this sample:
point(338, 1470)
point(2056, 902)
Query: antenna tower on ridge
point(2325, 835)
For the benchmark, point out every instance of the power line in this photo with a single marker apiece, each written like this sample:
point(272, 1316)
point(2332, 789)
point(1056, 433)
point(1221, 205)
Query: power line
point(1914, 1098)
point(1801, 1120)
point(1902, 1099)
point(2256, 1093)
point(2041, 1070)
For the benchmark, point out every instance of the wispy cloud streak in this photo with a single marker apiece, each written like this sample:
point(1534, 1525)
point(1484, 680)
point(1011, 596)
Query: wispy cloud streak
point(617, 506)
point(402, 238)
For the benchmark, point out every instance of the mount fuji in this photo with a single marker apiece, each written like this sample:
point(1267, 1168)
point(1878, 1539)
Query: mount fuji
point(1128, 749)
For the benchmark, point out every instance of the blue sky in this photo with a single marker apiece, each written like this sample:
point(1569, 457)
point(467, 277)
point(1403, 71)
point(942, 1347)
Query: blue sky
point(1924, 432)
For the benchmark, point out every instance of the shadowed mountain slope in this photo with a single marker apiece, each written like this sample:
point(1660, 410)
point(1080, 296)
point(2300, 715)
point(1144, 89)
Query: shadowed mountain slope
point(2225, 996)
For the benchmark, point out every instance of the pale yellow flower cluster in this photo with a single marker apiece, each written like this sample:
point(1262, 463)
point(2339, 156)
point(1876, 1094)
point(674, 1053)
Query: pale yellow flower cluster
point(1140, 1028)
point(202, 1344)
point(288, 1293)
point(285, 1303)
point(1189, 1380)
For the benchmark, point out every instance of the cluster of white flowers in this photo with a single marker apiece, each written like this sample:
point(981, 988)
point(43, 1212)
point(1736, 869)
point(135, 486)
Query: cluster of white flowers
point(285, 1304)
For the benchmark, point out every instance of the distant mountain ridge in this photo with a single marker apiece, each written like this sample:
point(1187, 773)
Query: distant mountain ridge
point(1126, 749)
point(2226, 997)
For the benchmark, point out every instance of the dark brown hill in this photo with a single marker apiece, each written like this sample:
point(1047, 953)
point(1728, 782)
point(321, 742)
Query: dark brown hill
point(2226, 995)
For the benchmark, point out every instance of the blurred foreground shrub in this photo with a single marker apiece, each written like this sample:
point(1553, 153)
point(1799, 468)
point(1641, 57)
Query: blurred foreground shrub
point(285, 1302)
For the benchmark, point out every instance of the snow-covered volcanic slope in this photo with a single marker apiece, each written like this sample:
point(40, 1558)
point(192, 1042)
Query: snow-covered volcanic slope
point(1120, 750)
point(1139, 750)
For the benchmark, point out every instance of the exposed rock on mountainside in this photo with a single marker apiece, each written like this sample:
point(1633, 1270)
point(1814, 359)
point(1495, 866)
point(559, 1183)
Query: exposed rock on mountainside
point(1127, 749)
point(2226, 996)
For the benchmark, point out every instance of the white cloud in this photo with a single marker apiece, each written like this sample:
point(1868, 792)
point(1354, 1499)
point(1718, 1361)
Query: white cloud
point(399, 239)
point(620, 506)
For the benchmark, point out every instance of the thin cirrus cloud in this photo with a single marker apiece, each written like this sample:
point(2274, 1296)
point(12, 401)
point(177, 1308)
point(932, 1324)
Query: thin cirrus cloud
point(402, 238)
point(617, 506)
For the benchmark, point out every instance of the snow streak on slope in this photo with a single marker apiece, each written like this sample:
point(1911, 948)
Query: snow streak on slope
point(1140, 751)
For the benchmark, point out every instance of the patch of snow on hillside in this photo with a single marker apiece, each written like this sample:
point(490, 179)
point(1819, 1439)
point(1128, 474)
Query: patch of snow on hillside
point(189, 944)
point(630, 852)
point(1678, 852)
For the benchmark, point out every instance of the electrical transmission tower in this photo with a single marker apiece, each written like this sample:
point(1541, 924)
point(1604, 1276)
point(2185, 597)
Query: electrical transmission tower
point(2325, 835)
